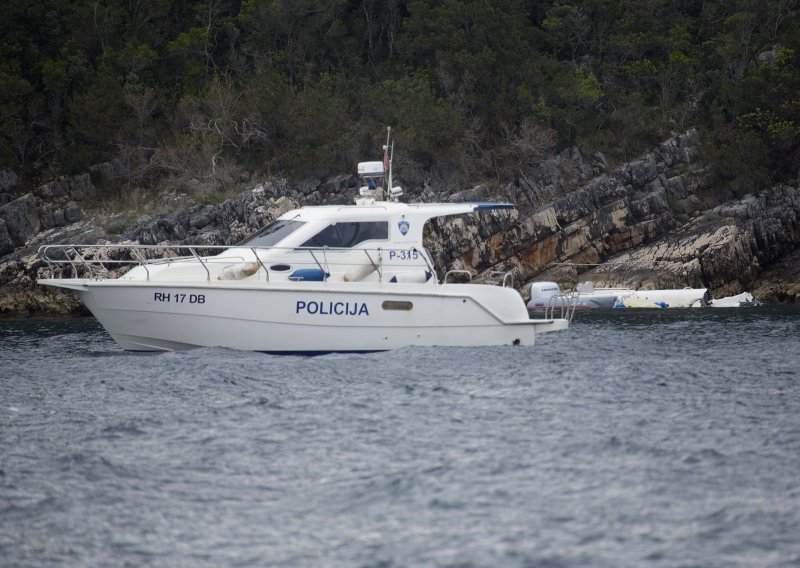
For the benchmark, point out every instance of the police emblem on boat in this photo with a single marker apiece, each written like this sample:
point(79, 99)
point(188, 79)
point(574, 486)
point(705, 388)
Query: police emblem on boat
point(403, 226)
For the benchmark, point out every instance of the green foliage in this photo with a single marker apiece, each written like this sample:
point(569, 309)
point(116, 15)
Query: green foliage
point(474, 88)
point(75, 158)
point(427, 125)
point(15, 106)
point(96, 111)
point(740, 158)
point(586, 88)
point(478, 49)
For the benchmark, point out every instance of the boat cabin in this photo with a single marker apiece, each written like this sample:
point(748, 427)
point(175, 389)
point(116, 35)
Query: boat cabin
point(378, 239)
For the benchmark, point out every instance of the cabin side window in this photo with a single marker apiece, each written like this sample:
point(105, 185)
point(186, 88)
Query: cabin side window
point(349, 234)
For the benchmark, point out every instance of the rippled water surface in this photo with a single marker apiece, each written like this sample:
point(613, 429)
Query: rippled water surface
point(636, 438)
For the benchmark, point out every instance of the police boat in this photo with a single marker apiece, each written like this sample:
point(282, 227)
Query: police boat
point(318, 279)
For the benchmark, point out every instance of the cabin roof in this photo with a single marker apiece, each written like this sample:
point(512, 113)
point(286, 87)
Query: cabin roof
point(390, 210)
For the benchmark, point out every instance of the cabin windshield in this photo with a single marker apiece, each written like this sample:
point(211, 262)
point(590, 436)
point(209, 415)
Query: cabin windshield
point(349, 234)
point(272, 234)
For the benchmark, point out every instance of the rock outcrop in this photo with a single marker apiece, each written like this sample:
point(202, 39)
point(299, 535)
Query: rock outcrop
point(725, 249)
point(648, 223)
point(781, 281)
point(53, 204)
point(220, 224)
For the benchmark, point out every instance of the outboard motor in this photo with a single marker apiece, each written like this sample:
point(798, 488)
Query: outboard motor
point(541, 292)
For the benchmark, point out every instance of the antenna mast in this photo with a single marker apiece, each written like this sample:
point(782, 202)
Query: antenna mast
point(389, 151)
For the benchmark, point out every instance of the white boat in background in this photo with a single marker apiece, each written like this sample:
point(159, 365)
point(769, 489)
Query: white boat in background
point(318, 279)
point(677, 298)
point(743, 300)
point(544, 294)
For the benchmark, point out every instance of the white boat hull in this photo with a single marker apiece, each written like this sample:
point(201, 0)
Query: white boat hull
point(580, 303)
point(311, 317)
point(677, 298)
point(743, 300)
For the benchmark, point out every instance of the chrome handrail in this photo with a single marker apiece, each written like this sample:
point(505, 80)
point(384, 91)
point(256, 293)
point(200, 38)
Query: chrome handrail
point(566, 303)
point(208, 272)
point(426, 257)
point(261, 264)
point(324, 269)
point(104, 260)
point(377, 265)
point(449, 272)
point(507, 276)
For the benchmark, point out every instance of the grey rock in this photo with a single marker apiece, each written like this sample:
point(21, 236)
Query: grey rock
point(308, 186)
point(599, 163)
point(338, 184)
point(723, 250)
point(46, 217)
point(457, 197)
point(52, 190)
point(675, 186)
point(200, 220)
point(21, 218)
point(643, 171)
point(690, 154)
point(640, 208)
point(73, 187)
point(657, 202)
point(106, 171)
point(72, 212)
point(6, 244)
point(480, 193)
point(654, 185)
point(225, 223)
point(8, 180)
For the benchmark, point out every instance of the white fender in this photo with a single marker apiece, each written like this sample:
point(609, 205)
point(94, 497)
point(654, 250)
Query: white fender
point(238, 271)
point(411, 276)
point(358, 273)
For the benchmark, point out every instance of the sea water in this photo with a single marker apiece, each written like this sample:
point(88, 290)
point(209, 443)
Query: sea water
point(636, 438)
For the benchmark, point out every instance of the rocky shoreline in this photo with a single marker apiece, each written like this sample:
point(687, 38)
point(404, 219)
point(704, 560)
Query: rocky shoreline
point(650, 223)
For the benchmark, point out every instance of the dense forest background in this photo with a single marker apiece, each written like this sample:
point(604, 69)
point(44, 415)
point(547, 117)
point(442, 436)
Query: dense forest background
point(475, 89)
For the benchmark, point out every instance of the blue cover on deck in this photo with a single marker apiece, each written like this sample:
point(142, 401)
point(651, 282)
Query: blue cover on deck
point(308, 275)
